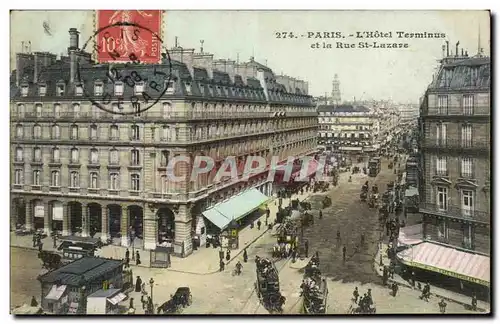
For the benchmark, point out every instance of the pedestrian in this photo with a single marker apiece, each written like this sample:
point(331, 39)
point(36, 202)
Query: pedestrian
point(131, 304)
point(474, 302)
point(245, 255)
point(228, 255)
point(251, 225)
point(40, 246)
point(54, 240)
point(127, 254)
point(395, 289)
point(369, 296)
point(127, 263)
point(138, 283)
point(338, 235)
point(344, 250)
point(137, 258)
point(259, 223)
point(143, 289)
point(221, 265)
point(355, 295)
point(143, 302)
point(320, 214)
point(413, 279)
point(239, 266)
point(442, 306)
point(384, 276)
point(34, 303)
point(306, 247)
point(362, 239)
point(34, 240)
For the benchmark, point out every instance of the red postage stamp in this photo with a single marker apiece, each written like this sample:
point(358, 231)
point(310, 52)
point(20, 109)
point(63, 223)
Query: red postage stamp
point(136, 40)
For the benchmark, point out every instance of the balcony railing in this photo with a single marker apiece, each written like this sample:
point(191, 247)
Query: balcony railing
point(456, 212)
point(456, 144)
point(188, 115)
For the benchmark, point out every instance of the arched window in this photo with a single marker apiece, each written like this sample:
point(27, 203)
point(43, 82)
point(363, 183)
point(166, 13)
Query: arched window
point(94, 156)
point(37, 131)
point(19, 131)
point(19, 154)
point(113, 181)
point(36, 177)
point(56, 132)
point(135, 133)
point(93, 132)
point(55, 179)
point(94, 180)
point(135, 157)
point(74, 132)
point(135, 182)
point(113, 133)
point(74, 179)
point(55, 155)
point(114, 157)
point(75, 157)
point(37, 154)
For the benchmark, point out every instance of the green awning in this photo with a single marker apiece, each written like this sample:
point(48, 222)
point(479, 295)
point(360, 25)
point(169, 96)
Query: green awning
point(235, 207)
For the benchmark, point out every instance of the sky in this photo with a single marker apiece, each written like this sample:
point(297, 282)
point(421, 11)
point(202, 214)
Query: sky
point(398, 74)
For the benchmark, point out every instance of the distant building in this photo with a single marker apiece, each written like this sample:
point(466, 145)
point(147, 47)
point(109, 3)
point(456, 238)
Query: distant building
point(336, 98)
point(408, 113)
point(346, 128)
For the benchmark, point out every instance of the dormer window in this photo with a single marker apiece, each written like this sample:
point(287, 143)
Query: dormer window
point(98, 89)
point(42, 90)
point(139, 88)
point(188, 87)
point(60, 89)
point(79, 90)
point(24, 90)
point(118, 89)
point(170, 87)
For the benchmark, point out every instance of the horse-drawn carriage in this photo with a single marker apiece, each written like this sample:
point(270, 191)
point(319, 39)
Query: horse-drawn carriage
point(373, 200)
point(314, 289)
point(50, 260)
point(267, 285)
point(327, 202)
point(181, 299)
point(368, 309)
point(355, 169)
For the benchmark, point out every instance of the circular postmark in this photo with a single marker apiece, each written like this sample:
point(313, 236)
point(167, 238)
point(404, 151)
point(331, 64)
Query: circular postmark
point(139, 85)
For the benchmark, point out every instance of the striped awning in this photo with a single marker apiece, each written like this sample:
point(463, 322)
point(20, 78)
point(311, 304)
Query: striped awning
point(448, 261)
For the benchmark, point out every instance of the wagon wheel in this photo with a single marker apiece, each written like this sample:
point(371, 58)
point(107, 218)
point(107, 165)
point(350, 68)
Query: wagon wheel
point(190, 300)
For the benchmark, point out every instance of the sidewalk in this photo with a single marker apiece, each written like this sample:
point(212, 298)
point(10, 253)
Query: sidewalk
point(436, 291)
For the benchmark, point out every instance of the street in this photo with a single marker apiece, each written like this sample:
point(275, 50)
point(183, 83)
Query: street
point(222, 293)
point(352, 218)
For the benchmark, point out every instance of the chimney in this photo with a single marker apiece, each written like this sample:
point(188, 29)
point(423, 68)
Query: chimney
point(447, 48)
point(183, 55)
point(444, 50)
point(72, 49)
point(462, 52)
point(23, 61)
point(456, 48)
point(205, 61)
point(227, 66)
point(466, 54)
point(41, 60)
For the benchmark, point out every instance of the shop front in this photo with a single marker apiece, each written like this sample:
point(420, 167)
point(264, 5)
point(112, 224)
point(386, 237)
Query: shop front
point(448, 267)
point(239, 209)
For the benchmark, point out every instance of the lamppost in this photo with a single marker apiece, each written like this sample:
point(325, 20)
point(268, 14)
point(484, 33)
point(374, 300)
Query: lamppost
point(151, 283)
point(132, 238)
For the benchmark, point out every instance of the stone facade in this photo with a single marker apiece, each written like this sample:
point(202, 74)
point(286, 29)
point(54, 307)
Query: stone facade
point(108, 171)
point(455, 143)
